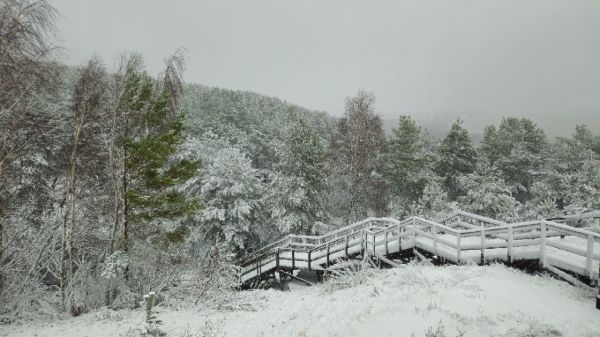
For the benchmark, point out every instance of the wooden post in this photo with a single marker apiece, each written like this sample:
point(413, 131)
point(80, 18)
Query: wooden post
point(543, 244)
point(309, 252)
point(414, 235)
point(327, 255)
point(374, 250)
point(277, 259)
point(510, 244)
point(386, 242)
point(590, 258)
point(400, 231)
point(482, 245)
point(259, 268)
point(293, 260)
point(435, 250)
point(458, 249)
point(346, 246)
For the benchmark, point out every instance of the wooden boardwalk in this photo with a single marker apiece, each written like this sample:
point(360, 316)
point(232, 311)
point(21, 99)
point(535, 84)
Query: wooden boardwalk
point(462, 238)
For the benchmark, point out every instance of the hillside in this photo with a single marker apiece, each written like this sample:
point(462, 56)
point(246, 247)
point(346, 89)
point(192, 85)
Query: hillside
point(247, 119)
point(479, 301)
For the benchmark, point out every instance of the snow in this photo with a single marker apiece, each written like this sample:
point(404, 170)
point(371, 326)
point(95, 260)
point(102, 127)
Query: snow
point(481, 300)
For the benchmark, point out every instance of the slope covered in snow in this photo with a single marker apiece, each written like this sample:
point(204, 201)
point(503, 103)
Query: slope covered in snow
point(472, 300)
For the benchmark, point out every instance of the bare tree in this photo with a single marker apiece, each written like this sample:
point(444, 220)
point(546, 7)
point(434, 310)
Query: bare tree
point(88, 99)
point(26, 31)
point(356, 148)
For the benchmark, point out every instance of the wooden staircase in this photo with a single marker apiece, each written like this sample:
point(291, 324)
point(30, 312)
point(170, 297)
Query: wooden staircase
point(570, 253)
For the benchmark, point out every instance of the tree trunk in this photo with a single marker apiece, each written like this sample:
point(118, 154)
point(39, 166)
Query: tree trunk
point(69, 216)
point(1, 250)
point(125, 186)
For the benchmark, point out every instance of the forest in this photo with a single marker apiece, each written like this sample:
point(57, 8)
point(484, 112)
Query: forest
point(115, 182)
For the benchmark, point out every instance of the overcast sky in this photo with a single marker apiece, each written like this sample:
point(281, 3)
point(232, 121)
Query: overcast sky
point(475, 59)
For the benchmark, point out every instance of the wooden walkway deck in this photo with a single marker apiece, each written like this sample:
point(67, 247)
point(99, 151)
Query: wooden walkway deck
point(461, 238)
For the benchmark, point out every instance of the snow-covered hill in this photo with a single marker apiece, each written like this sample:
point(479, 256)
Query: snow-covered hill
point(479, 301)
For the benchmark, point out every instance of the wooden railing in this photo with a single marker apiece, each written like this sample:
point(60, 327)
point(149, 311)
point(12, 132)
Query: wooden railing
point(490, 240)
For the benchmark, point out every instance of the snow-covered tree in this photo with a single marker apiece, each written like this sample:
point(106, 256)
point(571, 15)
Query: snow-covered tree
point(517, 147)
point(487, 193)
point(232, 192)
point(297, 192)
point(456, 158)
point(406, 162)
point(433, 203)
point(356, 154)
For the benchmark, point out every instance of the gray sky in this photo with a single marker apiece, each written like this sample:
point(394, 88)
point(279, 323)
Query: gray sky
point(435, 60)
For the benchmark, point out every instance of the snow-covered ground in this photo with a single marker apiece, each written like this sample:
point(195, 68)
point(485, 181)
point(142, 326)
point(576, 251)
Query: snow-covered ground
point(482, 301)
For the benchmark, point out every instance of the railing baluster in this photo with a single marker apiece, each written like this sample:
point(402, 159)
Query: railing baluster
point(400, 230)
point(327, 255)
point(414, 227)
point(309, 253)
point(458, 247)
point(543, 244)
point(346, 246)
point(386, 242)
point(590, 258)
point(482, 245)
point(510, 245)
point(293, 259)
point(374, 250)
point(433, 229)
point(364, 243)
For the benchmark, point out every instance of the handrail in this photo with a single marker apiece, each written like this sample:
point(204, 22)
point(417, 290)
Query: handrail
point(367, 234)
point(288, 238)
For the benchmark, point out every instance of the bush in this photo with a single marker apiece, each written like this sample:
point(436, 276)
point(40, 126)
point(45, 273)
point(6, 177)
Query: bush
point(356, 273)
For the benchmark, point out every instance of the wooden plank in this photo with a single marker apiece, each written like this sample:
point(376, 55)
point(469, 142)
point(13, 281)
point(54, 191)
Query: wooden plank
point(388, 261)
point(421, 257)
point(308, 283)
point(565, 276)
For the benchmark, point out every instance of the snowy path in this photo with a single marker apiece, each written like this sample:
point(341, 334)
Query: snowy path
point(484, 301)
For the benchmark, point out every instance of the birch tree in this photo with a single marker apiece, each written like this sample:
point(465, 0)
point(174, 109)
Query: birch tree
point(88, 99)
point(26, 32)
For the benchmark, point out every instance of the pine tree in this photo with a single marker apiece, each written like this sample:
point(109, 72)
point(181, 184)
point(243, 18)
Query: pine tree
point(434, 203)
point(232, 192)
point(517, 147)
point(456, 157)
point(150, 131)
point(298, 197)
point(487, 193)
point(405, 166)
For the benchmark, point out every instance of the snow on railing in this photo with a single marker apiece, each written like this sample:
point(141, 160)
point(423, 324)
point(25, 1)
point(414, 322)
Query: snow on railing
point(382, 236)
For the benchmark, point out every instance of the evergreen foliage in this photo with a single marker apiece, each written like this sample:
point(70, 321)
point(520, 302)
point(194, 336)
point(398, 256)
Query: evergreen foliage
point(299, 187)
point(406, 162)
point(457, 157)
point(517, 147)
